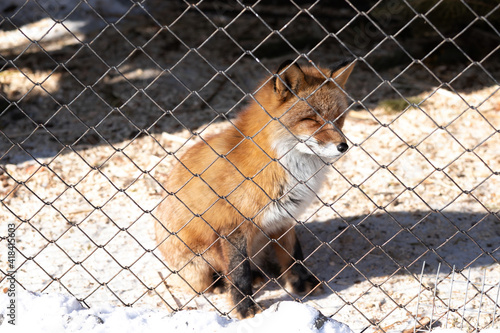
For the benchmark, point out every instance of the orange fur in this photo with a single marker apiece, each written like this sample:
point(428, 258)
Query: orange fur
point(235, 182)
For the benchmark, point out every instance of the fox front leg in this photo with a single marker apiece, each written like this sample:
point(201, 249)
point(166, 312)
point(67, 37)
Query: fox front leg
point(239, 275)
point(290, 256)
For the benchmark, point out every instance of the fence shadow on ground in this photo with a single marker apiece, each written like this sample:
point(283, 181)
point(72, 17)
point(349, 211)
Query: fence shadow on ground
point(397, 246)
point(384, 244)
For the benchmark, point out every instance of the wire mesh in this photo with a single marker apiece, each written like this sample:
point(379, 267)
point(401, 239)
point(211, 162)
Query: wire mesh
point(98, 102)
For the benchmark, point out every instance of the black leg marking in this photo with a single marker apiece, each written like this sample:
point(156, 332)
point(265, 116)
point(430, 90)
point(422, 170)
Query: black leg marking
point(240, 286)
point(302, 281)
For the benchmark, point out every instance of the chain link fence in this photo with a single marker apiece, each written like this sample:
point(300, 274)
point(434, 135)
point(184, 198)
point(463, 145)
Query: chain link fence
point(98, 101)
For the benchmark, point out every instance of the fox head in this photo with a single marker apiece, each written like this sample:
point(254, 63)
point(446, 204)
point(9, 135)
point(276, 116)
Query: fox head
point(310, 107)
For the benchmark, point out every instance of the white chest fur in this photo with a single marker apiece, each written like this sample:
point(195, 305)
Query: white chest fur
point(305, 174)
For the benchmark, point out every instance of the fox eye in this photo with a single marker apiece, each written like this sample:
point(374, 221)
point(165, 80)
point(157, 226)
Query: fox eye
point(309, 119)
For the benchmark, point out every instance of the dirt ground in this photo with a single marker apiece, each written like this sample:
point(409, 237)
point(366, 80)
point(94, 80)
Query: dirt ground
point(407, 225)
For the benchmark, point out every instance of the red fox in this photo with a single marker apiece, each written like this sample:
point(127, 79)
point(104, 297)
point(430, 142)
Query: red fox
point(234, 197)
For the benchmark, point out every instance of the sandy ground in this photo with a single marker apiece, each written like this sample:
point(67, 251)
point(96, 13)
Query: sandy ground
point(85, 147)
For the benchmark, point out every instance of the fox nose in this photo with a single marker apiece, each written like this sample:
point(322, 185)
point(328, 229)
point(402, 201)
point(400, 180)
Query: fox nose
point(342, 147)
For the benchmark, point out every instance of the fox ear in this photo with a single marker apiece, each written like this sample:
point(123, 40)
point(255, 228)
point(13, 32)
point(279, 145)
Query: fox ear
point(341, 71)
point(289, 76)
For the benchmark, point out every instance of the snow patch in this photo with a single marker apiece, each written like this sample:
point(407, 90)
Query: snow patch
point(38, 312)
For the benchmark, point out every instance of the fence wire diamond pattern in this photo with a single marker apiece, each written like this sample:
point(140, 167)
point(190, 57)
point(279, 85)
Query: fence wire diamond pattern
point(97, 103)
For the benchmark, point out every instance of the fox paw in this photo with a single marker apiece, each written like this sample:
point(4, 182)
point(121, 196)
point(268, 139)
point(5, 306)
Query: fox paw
point(245, 312)
point(301, 282)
